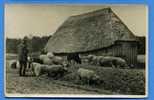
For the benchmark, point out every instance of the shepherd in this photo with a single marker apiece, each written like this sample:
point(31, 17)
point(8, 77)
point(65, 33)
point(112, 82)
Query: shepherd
point(22, 56)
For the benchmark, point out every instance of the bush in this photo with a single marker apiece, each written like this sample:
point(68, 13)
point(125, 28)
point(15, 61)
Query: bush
point(123, 81)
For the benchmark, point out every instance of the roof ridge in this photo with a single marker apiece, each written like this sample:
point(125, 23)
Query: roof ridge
point(99, 11)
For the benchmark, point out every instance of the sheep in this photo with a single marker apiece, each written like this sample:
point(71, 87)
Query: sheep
point(141, 60)
point(52, 60)
point(37, 60)
point(119, 62)
point(106, 61)
point(56, 71)
point(57, 60)
point(88, 76)
point(45, 59)
point(51, 70)
point(74, 57)
point(13, 64)
point(84, 59)
point(113, 61)
point(37, 69)
point(42, 56)
point(50, 55)
point(92, 59)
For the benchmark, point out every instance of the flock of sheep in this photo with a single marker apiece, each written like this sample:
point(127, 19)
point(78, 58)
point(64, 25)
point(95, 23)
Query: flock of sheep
point(107, 61)
point(56, 67)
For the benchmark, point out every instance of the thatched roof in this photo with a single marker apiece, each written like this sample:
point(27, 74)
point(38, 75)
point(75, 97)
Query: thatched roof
point(89, 31)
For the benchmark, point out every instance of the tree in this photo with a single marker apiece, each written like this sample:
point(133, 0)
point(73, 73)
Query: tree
point(141, 44)
point(35, 44)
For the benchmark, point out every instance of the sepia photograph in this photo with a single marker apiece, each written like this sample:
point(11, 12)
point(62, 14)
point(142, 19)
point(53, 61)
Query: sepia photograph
point(76, 50)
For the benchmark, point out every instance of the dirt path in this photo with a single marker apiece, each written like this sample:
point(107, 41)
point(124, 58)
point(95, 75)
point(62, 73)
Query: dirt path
point(35, 85)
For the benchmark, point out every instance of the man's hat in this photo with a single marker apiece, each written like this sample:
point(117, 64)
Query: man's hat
point(25, 39)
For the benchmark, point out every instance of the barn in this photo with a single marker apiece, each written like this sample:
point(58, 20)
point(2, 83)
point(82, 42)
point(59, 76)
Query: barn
point(100, 32)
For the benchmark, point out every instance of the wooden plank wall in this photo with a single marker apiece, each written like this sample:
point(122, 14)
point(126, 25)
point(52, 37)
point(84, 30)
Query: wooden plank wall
point(125, 50)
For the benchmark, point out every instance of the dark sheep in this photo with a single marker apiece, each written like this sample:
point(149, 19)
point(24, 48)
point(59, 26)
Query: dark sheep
point(13, 64)
point(37, 60)
point(56, 71)
point(74, 57)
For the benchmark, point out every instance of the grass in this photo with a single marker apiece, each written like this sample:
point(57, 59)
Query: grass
point(121, 81)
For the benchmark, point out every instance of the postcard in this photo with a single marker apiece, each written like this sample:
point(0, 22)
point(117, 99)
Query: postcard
point(76, 50)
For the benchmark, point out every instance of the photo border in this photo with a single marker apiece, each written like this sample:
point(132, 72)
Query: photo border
point(64, 2)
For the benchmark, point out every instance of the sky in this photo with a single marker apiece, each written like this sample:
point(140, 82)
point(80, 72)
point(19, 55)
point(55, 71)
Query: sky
point(43, 20)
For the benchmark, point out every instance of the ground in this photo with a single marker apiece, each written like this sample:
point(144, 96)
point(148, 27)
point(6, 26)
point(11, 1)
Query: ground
point(41, 85)
point(115, 81)
point(36, 85)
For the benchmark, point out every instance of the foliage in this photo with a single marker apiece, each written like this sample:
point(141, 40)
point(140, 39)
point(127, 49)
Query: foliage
point(141, 44)
point(35, 44)
point(11, 45)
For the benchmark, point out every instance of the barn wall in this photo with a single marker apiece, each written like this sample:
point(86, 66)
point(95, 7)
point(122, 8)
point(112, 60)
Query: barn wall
point(125, 49)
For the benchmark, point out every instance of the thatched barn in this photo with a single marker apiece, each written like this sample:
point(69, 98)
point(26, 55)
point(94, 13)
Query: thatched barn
point(99, 32)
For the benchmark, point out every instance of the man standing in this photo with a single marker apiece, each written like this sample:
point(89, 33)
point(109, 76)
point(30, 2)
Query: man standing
point(22, 56)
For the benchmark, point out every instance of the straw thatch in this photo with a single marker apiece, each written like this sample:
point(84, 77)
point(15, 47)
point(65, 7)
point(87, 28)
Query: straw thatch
point(89, 31)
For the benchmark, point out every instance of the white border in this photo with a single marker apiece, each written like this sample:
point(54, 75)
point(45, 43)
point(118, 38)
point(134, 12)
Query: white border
point(80, 95)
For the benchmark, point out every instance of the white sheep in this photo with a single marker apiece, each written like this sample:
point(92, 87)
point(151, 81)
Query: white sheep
point(37, 69)
point(113, 61)
point(92, 59)
point(52, 60)
point(119, 62)
point(50, 55)
point(57, 60)
point(46, 59)
point(51, 70)
point(42, 56)
point(88, 76)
